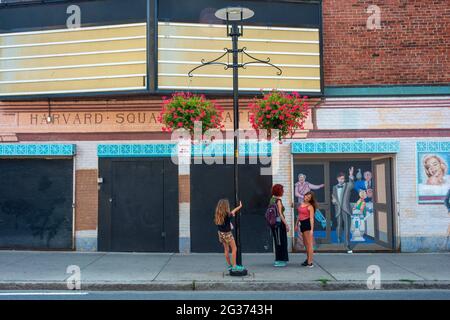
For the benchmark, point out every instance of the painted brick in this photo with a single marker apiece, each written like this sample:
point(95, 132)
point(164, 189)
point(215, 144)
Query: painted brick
point(185, 220)
point(382, 118)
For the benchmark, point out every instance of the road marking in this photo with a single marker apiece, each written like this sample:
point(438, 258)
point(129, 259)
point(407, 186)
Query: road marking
point(44, 294)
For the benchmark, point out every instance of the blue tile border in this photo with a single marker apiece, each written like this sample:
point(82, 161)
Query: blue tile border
point(355, 146)
point(433, 146)
point(167, 149)
point(136, 150)
point(28, 150)
point(227, 149)
point(423, 147)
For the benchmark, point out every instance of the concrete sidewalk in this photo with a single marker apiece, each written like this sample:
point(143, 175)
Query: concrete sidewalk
point(147, 271)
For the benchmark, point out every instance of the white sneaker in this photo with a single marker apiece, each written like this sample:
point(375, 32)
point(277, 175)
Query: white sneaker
point(350, 251)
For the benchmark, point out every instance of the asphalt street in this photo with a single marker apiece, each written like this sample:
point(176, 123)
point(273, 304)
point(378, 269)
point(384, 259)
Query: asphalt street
point(230, 296)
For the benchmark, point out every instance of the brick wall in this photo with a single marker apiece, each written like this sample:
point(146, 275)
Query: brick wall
point(86, 194)
point(412, 46)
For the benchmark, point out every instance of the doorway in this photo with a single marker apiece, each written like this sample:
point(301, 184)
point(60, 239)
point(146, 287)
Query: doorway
point(138, 205)
point(209, 183)
point(369, 198)
point(36, 197)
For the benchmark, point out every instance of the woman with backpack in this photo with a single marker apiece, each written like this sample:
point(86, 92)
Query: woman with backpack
point(280, 228)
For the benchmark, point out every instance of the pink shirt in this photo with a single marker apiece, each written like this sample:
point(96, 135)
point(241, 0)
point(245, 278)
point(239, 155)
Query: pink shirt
point(303, 213)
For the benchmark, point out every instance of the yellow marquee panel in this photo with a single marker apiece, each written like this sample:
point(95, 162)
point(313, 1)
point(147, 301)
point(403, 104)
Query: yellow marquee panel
point(182, 46)
point(106, 58)
point(81, 34)
point(295, 34)
point(244, 83)
point(96, 85)
point(276, 58)
point(86, 59)
point(259, 70)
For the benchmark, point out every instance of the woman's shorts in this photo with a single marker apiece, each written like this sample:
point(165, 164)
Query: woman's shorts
point(305, 225)
point(225, 237)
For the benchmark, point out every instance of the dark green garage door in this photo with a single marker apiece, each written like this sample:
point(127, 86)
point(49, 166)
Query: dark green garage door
point(138, 205)
point(209, 183)
point(36, 203)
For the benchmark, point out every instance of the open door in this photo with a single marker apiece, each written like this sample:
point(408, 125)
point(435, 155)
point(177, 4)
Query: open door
point(383, 205)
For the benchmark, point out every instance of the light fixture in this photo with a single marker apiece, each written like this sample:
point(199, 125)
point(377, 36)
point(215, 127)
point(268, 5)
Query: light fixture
point(234, 13)
point(234, 17)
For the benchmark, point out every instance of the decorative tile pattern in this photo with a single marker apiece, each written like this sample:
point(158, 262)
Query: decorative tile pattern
point(355, 146)
point(166, 150)
point(20, 149)
point(433, 146)
point(137, 150)
point(227, 149)
point(423, 148)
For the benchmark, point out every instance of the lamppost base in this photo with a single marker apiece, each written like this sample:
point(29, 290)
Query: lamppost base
point(240, 273)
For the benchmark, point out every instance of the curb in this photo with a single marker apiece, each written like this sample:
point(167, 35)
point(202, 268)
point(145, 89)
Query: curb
point(227, 286)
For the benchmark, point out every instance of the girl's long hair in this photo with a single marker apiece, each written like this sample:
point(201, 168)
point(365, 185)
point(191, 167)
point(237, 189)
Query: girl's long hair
point(313, 200)
point(222, 210)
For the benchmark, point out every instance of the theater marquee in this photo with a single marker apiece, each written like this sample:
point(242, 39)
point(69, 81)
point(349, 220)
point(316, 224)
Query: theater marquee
point(80, 48)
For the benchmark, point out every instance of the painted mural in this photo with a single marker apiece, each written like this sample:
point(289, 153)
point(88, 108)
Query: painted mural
point(433, 176)
point(344, 190)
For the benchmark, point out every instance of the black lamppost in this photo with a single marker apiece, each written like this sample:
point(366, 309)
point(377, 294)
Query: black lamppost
point(234, 17)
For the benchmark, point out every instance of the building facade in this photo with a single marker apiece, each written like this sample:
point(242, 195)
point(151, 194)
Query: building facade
point(86, 166)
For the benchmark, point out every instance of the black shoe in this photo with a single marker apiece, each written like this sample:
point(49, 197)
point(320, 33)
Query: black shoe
point(311, 265)
point(305, 263)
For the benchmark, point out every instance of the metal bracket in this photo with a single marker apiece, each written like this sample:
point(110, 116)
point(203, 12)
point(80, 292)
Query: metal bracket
point(242, 65)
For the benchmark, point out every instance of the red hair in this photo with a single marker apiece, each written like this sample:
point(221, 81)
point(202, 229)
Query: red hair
point(277, 190)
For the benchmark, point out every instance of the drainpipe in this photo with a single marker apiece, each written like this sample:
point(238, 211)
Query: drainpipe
point(73, 203)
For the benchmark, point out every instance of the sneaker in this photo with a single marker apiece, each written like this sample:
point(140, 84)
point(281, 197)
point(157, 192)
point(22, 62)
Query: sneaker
point(311, 265)
point(229, 267)
point(280, 264)
point(305, 263)
point(350, 251)
point(237, 268)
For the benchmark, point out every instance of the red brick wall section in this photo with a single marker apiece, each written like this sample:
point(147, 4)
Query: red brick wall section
point(412, 46)
point(184, 189)
point(86, 195)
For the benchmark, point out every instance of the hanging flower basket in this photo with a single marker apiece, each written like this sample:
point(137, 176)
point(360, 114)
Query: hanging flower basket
point(183, 109)
point(279, 110)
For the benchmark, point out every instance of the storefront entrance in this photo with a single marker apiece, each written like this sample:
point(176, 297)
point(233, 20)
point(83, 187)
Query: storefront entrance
point(138, 205)
point(36, 197)
point(209, 183)
point(357, 214)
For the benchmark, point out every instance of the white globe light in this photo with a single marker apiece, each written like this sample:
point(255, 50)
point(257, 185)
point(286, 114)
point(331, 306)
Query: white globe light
point(234, 13)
